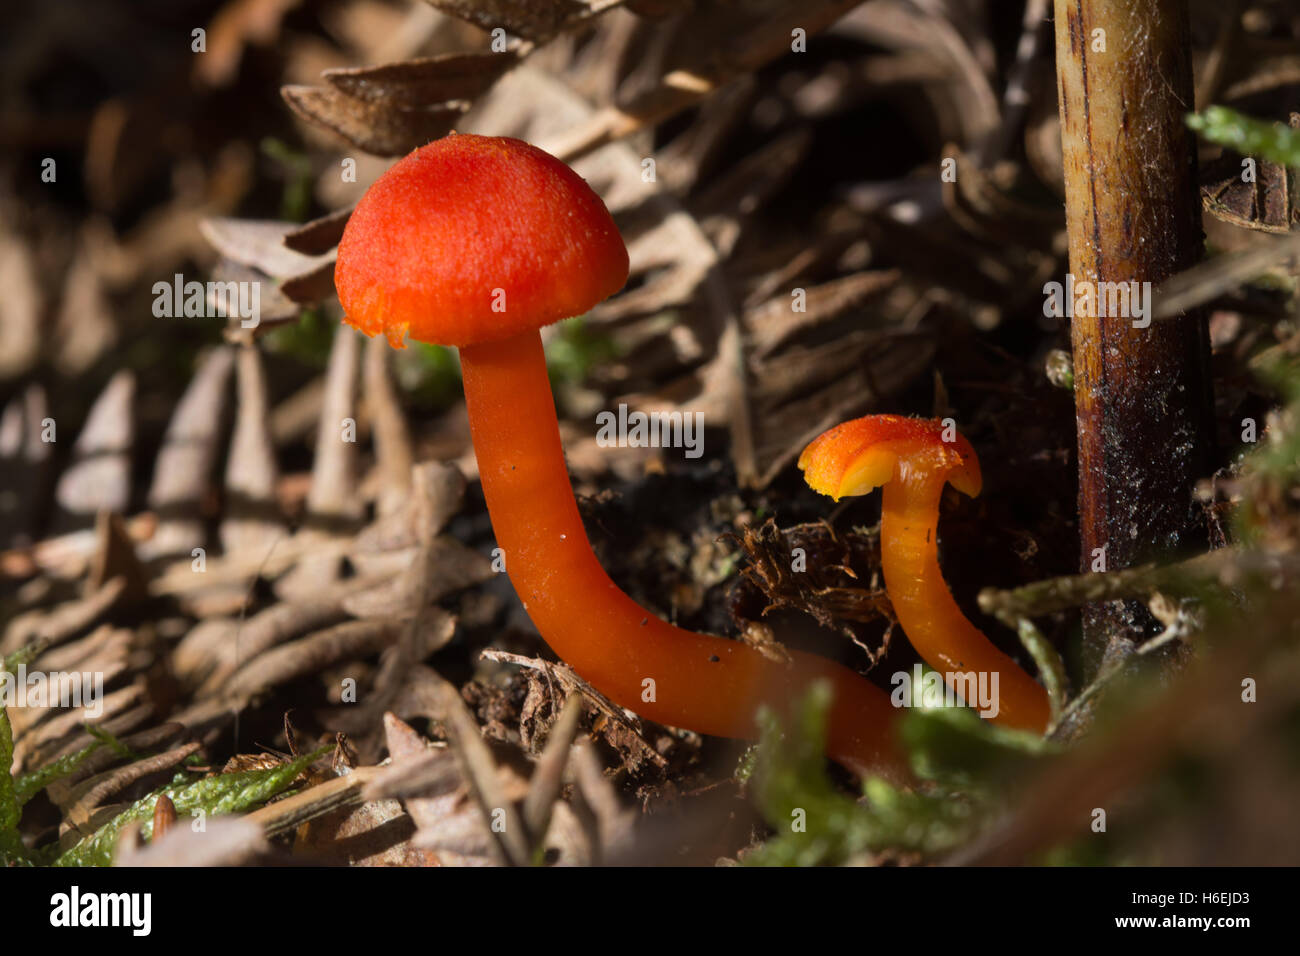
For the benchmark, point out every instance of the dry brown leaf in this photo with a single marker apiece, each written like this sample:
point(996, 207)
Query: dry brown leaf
point(374, 128)
point(392, 437)
point(259, 244)
point(615, 823)
point(309, 655)
point(548, 776)
point(377, 833)
point(441, 568)
point(775, 322)
point(86, 328)
point(333, 475)
point(431, 784)
point(214, 649)
point(525, 18)
point(252, 520)
point(623, 730)
point(320, 235)
point(495, 801)
point(224, 841)
point(311, 287)
point(274, 307)
point(99, 477)
point(22, 307)
point(62, 622)
point(183, 470)
point(419, 83)
point(116, 557)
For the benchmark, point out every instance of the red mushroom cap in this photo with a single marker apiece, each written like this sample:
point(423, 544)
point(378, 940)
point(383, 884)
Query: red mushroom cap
point(473, 239)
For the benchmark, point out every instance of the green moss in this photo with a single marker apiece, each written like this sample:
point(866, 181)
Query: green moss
point(429, 374)
point(30, 784)
point(967, 760)
point(309, 339)
point(575, 349)
point(1276, 142)
point(213, 796)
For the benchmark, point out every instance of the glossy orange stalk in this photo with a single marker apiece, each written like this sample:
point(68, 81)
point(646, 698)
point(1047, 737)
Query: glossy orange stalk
point(910, 459)
point(703, 683)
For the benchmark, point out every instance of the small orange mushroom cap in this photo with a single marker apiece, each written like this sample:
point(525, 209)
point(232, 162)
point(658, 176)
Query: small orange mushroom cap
point(474, 239)
point(861, 455)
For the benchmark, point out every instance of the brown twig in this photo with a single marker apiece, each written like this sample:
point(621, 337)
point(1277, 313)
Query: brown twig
point(1142, 391)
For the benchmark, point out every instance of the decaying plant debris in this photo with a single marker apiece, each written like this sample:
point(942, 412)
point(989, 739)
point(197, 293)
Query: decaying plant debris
point(179, 514)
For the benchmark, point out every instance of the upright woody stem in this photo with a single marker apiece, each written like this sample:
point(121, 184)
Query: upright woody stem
point(1142, 394)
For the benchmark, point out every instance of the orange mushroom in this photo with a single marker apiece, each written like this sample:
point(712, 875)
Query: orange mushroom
point(911, 460)
point(478, 242)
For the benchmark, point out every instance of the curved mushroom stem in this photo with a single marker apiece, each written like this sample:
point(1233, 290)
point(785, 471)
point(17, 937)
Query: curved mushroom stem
point(665, 673)
point(934, 624)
